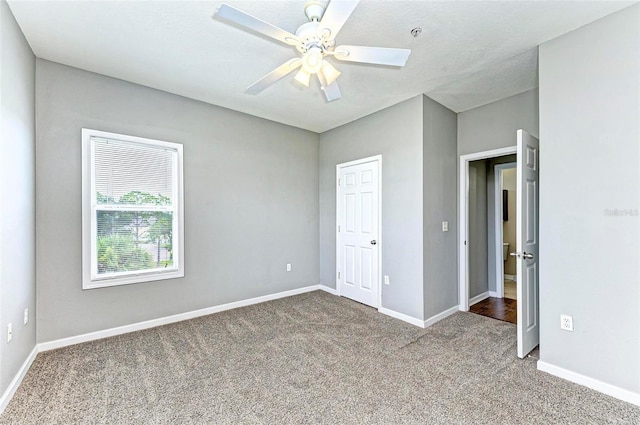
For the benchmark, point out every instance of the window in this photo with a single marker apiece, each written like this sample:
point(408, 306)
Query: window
point(132, 209)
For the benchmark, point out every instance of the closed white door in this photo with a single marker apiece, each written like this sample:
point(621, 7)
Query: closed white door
point(527, 197)
point(358, 247)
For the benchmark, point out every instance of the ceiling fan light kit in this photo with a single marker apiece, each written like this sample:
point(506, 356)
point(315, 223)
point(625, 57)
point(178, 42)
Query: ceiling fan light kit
point(303, 77)
point(330, 72)
point(315, 41)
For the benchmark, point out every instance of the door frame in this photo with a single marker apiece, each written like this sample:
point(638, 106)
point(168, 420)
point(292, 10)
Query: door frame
point(498, 234)
point(378, 160)
point(463, 219)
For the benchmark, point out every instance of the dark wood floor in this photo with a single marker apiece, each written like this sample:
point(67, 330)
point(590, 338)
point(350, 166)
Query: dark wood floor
point(503, 309)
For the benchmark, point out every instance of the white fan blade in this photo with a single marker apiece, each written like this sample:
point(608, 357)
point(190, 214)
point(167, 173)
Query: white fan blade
point(334, 17)
point(374, 55)
point(331, 91)
point(274, 75)
point(243, 19)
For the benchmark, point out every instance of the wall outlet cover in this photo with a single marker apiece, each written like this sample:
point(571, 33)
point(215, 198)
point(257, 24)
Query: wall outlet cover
point(566, 322)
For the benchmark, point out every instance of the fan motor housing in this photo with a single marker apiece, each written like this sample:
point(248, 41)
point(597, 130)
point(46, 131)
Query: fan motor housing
point(308, 34)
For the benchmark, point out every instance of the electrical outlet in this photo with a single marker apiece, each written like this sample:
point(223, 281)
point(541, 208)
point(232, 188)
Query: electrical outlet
point(386, 280)
point(26, 315)
point(9, 333)
point(288, 267)
point(566, 322)
point(445, 226)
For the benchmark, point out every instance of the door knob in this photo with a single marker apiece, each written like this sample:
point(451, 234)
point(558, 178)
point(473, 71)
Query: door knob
point(373, 242)
point(524, 255)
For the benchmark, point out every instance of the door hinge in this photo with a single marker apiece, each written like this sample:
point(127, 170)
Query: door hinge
point(338, 228)
point(339, 182)
point(338, 275)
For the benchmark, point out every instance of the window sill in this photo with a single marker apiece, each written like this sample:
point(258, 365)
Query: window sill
point(126, 280)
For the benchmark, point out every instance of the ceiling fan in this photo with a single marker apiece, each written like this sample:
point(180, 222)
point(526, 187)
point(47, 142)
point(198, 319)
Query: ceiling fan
point(315, 41)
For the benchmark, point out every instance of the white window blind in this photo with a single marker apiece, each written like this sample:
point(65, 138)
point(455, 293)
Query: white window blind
point(125, 172)
point(135, 209)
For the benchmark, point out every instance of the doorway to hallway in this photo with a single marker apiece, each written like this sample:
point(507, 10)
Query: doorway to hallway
point(492, 237)
point(526, 252)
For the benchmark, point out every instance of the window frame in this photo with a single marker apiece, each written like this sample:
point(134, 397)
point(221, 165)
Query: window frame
point(90, 277)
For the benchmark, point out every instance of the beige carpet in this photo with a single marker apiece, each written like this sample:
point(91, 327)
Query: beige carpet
point(312, 358)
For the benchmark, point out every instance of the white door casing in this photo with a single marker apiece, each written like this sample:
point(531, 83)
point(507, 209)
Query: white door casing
point(527, 242)
point(463, 219)
point(358, 233)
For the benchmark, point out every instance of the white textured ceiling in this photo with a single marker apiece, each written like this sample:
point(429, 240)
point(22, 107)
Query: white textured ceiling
point(469, 53)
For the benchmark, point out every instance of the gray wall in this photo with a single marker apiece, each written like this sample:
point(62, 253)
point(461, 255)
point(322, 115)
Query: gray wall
point(477, 238)
point(396, 133)
point(439, 204)
point(590, 165)
point(494, 125)
point(491, 212)
point(17, 197)
point(251, 202)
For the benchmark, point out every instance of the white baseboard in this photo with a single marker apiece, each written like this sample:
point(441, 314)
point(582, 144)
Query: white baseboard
point(493, 294)
point(15, 383)
point(438, 317)
point(402, 316)
point(479, 298)
point(105, 333)
point(511, 277)
point(324, 288)
point(594, 384)
point(417, 322)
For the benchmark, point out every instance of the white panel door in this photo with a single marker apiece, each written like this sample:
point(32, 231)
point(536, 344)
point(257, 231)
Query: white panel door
point(358, 223)
point(527, 197)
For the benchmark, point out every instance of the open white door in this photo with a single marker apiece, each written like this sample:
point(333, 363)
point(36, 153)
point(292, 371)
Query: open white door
point(527, 242)
point(358, 219)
